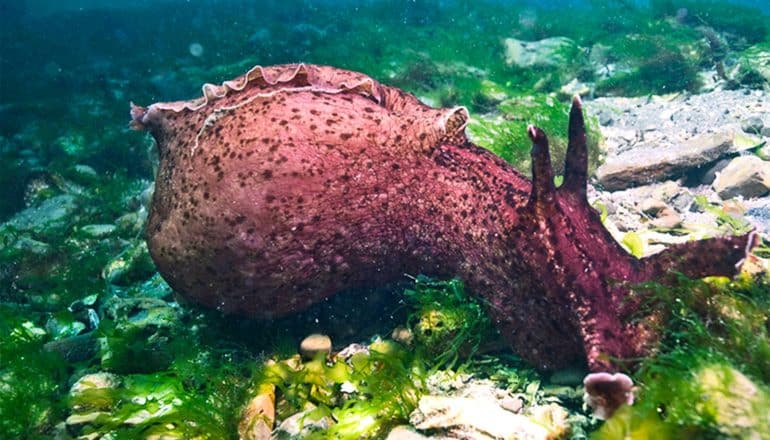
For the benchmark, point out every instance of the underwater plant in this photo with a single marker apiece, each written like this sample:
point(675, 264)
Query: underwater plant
point(744, 21)
point(447, 323)
point(506, 134)
point(711, 376)
point(362, 396)
point(659, 66)
point(31, 379)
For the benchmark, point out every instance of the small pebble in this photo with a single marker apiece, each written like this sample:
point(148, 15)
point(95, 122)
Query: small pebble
point(402, 335)
point(314, 344)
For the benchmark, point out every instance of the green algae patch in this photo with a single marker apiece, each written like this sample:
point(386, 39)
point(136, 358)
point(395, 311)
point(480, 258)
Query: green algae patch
point(363, 392)
point(446, 322)
point(711, 377)
point(197, 397)
point(505, 133)
point(655, 64)
point(359, 397)
point(31, 379)
point(742, 21)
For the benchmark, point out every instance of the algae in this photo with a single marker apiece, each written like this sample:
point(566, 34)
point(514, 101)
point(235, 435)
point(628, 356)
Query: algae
point(506, 134)
point(711, 377)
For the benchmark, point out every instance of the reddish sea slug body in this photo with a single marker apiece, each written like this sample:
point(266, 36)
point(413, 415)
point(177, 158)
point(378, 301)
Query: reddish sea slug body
point(290, 183)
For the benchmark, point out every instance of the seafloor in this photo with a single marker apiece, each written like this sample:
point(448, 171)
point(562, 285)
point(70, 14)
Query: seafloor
point(93, 343)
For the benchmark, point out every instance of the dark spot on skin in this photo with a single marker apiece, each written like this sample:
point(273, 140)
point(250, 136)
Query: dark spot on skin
point(267, 174)
point(346, 136)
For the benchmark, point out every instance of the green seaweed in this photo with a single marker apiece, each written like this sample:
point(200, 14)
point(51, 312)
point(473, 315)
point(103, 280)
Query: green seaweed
point(714, 360)
point(506, 135)
point(744, 21)
point(375, 389)
point(726, 223)
point(382, 387)
point(446, 322)
point(199, 395)
point(31, 379)
point(660, 66)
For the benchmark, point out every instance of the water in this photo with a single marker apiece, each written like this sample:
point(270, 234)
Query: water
point(151, 334)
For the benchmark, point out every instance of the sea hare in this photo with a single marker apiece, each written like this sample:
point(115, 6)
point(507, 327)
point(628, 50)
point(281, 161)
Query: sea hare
point(293, 182)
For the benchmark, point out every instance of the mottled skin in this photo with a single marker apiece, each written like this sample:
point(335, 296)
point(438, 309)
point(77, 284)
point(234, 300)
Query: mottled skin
point(293, 182)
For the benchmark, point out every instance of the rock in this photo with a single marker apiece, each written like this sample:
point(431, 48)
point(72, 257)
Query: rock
point(663, 216)
point(760, 217)
point(132, 265)
point(512, 404)
point(682, 201)
point(156, 287)
point(548, 52)
point(351, 350)
point(85, 170)
point(140, 341)
point(30, 246)
point(405, 432)
point(63, 325)
point(647, 163)
point(403, 335)
point(711, 175)
point(476, 419)
point(652, 206)
point(669, 123)
point(258, 415)
point(302, 425)
point(746, 176)
point(75, 348)
point(92, 392)
point(132, 223)
point(573, 88)
point(752, 125)
point(98, 231)
point(95, 381)
point(552, 416)
point(492, 92)
point(77, 420)
point(49, 217)
point(315, 344)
